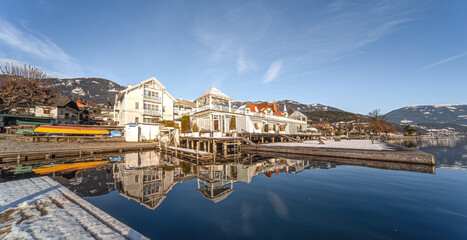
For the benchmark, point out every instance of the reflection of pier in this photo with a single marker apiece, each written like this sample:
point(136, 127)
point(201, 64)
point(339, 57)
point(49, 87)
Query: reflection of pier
point(323, 160)
point(226, 147)
point(147, 177)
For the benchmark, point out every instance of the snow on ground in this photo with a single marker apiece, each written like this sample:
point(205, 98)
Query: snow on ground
point(41, 208)
point(78, 91)
point(343, 144)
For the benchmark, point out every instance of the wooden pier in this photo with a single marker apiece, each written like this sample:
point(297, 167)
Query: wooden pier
point(398, 155)
point(13, 159)
point(225, 147)
point(261, 138)
point(201, 157)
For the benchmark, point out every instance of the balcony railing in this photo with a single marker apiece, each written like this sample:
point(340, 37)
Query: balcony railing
point(154, 98)
point(239, 111)
point(152, 112)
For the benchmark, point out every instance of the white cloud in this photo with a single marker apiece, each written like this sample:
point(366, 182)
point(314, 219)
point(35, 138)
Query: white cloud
point(244, 65)
point(444, 61)
point(278, 204)
point(35, 47)
point(273, 71)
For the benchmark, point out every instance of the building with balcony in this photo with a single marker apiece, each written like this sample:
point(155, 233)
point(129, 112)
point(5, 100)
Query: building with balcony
point(147, 102)
point(214, 112)
point(183, 107)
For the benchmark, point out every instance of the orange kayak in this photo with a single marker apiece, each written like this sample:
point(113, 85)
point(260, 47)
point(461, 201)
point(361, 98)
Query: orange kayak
point(67, 167)
point(71, 130)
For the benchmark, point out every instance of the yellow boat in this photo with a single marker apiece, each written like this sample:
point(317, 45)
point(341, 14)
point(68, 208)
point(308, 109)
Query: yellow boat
point(71, 130)
point(67, 167)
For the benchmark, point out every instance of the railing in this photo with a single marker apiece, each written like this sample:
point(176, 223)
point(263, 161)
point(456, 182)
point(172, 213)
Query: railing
point(244, 112)
point(152, 98)
point(152, 112)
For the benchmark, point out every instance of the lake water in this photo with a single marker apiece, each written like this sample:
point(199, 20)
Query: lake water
point(163, 197)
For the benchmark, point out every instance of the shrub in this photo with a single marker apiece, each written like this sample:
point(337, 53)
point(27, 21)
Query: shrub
point(195, 127)
point(185, 124)
point(233, 123)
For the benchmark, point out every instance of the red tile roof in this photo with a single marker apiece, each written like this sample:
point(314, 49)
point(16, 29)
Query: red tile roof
point(262, 107)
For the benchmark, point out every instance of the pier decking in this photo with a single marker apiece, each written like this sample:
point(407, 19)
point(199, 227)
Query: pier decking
point(226, 147)
point(13, 159)
point(381, 152)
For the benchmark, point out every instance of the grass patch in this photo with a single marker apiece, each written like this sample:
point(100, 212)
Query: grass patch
point(24, 217)
point(41, 209)
point(6, 216)
point(57, 203)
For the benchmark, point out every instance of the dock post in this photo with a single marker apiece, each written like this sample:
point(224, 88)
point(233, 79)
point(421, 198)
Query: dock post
point(197, 154)
point(214, 147)
point(224, 149)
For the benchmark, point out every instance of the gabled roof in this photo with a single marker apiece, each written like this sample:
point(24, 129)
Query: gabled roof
point(297, 114)
point(60, 101)
point(185, 103)
point(216, 93)
point(144, 82)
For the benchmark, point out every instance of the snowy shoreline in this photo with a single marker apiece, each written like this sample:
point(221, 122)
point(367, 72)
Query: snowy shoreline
point(41, 208)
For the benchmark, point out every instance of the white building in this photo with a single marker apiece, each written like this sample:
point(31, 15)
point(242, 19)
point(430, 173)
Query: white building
point(147, 102)
point(214, 113)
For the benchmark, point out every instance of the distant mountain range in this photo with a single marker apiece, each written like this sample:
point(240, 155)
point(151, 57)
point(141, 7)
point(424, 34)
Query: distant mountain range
point(98, 90)
point(101, 90)
point(446, 113)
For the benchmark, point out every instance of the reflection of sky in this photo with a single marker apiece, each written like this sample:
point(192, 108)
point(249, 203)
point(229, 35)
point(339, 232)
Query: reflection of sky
point(341, 203)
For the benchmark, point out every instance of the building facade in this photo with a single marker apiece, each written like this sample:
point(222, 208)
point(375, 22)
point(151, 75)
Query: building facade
point(62, 109)
point(214, 112)
point(147, 102)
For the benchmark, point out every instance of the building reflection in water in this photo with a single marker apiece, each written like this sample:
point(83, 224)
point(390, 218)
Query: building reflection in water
point(147, 177)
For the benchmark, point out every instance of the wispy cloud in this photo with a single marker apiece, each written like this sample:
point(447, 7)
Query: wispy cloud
point(273, 71)
point(446, 60)
point(341, 31)
point(244, 65)
point(278, 204)
point(35, 46)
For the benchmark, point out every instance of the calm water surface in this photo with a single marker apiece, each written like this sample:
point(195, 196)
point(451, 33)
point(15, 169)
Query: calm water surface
point(278, 198)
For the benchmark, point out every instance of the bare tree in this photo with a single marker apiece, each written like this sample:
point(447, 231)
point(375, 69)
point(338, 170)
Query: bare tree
point(25, 86)
point(377, 123)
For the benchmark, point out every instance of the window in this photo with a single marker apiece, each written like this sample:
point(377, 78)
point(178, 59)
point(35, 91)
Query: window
point(157, 94)
point(136, 119)
point(136, 105)
point(136, 178)
point(46, 111)
point(157, 107)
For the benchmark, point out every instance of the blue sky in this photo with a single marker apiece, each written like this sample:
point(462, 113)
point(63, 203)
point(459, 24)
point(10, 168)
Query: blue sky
point(353, 55)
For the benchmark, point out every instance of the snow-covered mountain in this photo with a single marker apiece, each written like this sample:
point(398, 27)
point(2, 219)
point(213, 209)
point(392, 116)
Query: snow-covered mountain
point(446, 113)
point(98, 90)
